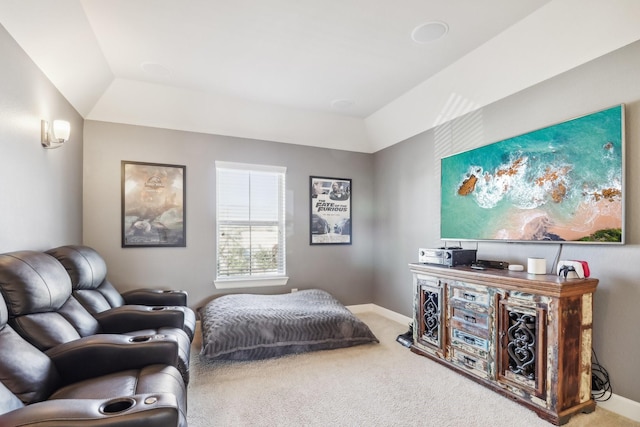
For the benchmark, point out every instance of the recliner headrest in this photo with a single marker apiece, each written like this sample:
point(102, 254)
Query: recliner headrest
point(33, 282)
point(85, 266)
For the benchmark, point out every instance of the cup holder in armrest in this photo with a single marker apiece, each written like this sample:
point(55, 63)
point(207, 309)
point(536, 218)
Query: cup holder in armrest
point(141, 338)
point(116, 406)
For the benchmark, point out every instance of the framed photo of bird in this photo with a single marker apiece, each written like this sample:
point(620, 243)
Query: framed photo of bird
point(153, 205)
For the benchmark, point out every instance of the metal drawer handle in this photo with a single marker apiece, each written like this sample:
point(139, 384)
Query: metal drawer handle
point(469, 340)
point(469, 319)
point(469, 361)
point(469, 297)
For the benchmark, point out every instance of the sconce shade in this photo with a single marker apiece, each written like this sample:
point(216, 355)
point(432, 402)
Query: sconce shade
point(61, 130)
point(56, 135)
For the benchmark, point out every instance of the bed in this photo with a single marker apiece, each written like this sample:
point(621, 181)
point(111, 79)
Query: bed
point(251, 327)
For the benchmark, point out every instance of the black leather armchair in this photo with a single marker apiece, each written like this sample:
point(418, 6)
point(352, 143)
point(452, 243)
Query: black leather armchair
point(88, 273)
point(37, 292)
point(126, 383)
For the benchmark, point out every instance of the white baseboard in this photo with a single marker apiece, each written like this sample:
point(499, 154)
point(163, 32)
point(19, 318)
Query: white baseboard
point(622, 406)
point(617, 404)
point(361, 308)
point(391, 315)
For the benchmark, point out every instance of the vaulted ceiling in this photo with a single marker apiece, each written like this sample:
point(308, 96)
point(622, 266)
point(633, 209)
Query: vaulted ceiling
point(340, 74)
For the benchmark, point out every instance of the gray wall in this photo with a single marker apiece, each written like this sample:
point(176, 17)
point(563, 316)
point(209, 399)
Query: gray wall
point(40, 190)
point(344, 270)
point(407, 196)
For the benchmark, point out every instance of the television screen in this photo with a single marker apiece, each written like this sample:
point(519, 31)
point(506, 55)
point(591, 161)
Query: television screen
point(562, 183)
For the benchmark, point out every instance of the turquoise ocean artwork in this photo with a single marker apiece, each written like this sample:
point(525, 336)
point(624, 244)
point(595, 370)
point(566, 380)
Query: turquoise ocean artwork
point(560, 183)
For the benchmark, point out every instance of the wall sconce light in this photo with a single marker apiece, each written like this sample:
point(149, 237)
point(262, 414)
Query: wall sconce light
point(55, 136)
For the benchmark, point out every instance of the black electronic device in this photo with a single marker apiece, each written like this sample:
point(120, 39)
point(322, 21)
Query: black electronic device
point(449, 257)
point(406, 339)
point(501, 265)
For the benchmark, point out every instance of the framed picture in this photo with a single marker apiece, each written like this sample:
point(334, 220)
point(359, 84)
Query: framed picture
point(153, 205)
point(330, 222)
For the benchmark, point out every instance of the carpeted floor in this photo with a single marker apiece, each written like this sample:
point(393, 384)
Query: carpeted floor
point(369, 385)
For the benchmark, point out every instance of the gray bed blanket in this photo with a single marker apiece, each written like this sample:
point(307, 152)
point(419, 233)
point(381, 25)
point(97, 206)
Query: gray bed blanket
point(248, 326)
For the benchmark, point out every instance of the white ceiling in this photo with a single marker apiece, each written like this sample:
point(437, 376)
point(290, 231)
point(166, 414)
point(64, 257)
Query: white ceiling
point(275, 69)
point(301, 54)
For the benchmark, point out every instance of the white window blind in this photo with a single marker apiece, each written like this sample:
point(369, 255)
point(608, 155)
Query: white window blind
point(250, 222)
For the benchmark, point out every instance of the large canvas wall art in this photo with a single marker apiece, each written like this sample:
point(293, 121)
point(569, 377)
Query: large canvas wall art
point(562, 183)
point(153, 205)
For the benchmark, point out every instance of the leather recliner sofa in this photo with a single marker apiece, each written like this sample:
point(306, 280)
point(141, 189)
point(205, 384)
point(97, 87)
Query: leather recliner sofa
point(37, 292)
point(88, 273)
point(125, 384)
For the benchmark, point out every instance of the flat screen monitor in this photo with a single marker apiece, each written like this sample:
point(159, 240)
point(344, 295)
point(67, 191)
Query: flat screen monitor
point(561, 183)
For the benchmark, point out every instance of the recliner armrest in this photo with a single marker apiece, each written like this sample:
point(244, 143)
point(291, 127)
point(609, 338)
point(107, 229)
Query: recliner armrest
point(148, 296)
point(128, 318)
point(103, 354)
point(160, 409)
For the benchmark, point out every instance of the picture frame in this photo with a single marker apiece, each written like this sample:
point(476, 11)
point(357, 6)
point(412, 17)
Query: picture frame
point(330, 220)
point(153, 204)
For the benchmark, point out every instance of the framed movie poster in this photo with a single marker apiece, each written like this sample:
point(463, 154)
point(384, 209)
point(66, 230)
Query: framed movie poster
point(153, 205)
point(330, 221)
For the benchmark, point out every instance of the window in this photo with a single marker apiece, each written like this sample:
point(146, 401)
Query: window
point(250, 225)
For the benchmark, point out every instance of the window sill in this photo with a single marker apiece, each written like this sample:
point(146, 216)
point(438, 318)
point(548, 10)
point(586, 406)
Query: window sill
point(250, 283)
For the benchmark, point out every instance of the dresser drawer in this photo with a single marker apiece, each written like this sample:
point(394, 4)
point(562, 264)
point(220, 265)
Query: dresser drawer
point(470, 317)
point(470, 362)
point(469, 342)
point(470, 295)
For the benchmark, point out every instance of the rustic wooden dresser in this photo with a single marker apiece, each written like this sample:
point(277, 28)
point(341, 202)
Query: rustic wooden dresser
point(525, 336)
